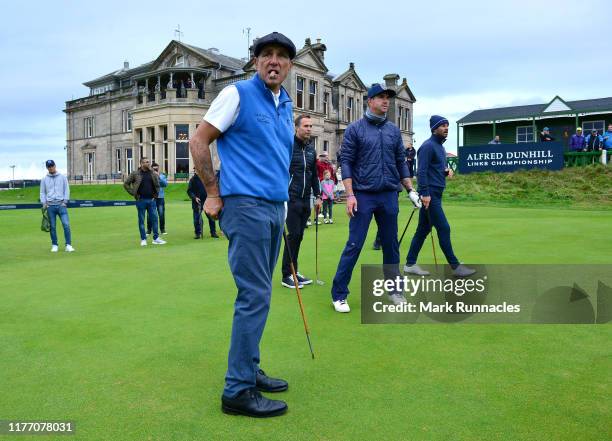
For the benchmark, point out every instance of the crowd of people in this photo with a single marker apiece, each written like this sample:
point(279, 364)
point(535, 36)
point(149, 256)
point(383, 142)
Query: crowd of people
point(578, 142)
point(592, 142)
point(271, 179)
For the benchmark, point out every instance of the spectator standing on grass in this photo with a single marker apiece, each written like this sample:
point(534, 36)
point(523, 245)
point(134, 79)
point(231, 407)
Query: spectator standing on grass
point(410, 159)
point(594, 142)
point(197, 193)
point(577, 142)
point(607, 138)
point(160, 201)
point(143, 185)
point(327, 193)
point(54, 196)
point(545, 135)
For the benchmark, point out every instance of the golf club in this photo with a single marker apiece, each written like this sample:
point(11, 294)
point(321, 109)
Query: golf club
point(406, 227)
point(297, 291)
point(433, 247)
point(319, 282)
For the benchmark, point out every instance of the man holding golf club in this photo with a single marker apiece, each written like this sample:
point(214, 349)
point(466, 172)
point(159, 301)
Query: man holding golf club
point(373, 164)
point(431, 176)
point(252, 122)
point(303, 180)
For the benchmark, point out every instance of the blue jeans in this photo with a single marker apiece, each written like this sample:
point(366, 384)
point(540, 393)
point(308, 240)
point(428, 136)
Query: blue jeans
point(161, 214)
point(384, 207)
point(62, 212)
point(254, 228)
point(438, 220)
point(148, 206)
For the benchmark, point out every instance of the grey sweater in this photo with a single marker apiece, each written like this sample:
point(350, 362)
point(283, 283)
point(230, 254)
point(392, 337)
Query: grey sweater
point(54, 189)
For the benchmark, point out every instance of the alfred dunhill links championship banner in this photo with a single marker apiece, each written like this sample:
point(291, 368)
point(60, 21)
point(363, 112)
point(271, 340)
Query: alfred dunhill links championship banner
point(511, 157)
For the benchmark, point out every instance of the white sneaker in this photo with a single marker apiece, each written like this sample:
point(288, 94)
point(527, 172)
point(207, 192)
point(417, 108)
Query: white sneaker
point(463, 271)
point(320, 214)
point(331, 221)
point(164, 233)
point(415, 269)
point(69, 249)
point(143, 243)
point(341, 306)
point(308, 223)
point(397, 298)
point(54, 248)
point(325, 221)
point(159, 241)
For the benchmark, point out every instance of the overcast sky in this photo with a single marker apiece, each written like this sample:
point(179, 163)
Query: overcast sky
point(457, 56)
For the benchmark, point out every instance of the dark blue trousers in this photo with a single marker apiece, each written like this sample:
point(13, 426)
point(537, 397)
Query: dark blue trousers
point(254, 228)
point(384, 207)
point(438, 220)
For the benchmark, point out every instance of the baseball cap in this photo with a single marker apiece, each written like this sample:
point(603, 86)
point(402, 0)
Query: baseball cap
point(377, 89)
point(49, 163)
point(274, 38)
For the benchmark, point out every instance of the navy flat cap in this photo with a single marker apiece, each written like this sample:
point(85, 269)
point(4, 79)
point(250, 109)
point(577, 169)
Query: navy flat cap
point(274, 38)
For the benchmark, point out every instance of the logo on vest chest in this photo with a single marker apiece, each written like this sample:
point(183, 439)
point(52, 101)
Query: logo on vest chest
point(263, 118)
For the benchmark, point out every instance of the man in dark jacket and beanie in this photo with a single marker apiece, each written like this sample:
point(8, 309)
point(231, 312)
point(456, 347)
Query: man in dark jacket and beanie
point(373, 164)
point(197, 192)
point(303, 180)
point(143, 184)
point(431, 177)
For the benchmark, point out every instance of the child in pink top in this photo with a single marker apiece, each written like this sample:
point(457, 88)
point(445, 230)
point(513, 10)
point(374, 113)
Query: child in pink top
point(327, 193)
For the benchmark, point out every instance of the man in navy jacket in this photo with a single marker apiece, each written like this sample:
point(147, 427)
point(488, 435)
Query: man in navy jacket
point(431, 177)
point(373, 165)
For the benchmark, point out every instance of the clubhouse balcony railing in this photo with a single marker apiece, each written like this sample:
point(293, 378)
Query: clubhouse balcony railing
point(580, 159)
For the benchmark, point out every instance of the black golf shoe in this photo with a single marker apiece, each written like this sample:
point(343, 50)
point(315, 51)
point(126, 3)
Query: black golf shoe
point(268, 384)
point(376, 245)
point(214, 235)
point(287, 282)
point(303, 280)
point(197, 236)
point(250, 402)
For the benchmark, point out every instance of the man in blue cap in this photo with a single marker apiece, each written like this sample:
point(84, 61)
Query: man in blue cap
point(252, 122)
point(373, 164)
point(432, 171)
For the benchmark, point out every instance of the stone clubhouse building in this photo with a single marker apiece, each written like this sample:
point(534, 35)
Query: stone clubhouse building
point(153, 109)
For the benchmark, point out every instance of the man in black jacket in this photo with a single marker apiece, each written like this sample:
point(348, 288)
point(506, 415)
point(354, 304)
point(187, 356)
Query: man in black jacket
point(197, 193)
point(303, 179)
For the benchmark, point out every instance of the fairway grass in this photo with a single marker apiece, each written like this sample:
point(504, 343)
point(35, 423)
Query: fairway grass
point(131, 343)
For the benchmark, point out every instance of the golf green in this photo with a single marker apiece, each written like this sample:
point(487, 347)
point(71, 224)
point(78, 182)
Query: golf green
point(131, 343)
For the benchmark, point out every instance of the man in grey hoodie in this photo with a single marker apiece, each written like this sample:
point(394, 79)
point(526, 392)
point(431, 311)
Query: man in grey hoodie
point(54, 196)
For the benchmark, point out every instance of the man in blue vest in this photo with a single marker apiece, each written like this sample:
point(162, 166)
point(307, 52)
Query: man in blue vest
point(432, 171)
point(373, 164)
point(252, 122)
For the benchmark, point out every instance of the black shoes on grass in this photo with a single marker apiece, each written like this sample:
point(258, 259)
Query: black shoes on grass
point(250, 402)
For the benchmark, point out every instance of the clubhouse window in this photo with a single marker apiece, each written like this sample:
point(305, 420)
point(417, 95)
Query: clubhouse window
point(524, 134)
